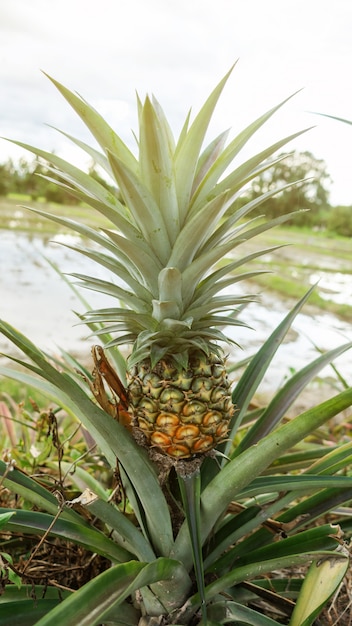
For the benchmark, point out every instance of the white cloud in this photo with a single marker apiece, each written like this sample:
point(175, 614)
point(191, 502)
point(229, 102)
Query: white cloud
point(179, 50)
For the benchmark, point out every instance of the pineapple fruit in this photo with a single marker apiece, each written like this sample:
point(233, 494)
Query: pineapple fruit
point(181, 411)
point(173, 217)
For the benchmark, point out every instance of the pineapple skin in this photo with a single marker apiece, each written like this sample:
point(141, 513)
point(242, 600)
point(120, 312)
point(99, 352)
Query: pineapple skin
point(181, 412)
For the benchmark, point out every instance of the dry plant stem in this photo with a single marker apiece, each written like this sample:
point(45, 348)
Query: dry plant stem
point(76, 462)
point(61, 507)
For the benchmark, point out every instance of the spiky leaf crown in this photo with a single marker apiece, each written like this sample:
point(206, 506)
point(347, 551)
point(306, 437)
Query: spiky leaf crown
point(170, 224)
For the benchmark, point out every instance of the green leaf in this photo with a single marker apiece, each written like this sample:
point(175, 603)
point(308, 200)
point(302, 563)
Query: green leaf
point(323, 578)
point(82, 229)
point(32, 491)
point(82, 479)
point(123, 271)
point(5, 518)
point(208, 157)
point(97, 157)
point(33, 522)
point(269, 448)
point(156, 148)
point(201, 264)
point(144, 209)
point(14, 578)
point(190, 492)
point(243, 573)
point(189, 147)
point(196, 231)
point(103, 133)
point(318, 539)
point(112, 438)
point(251, 570)
point(237, 216)
point(333, 117)
point(126, 534)
point(333, 461)
point(89, 188)
point(93, 602)
point(258, 366)
point(109, 288)
point(247, 170)
point(228, 612)
point(242, 470)
point(299, 483)
point(145, 264)
point(25, 612)
point(259, 546)
point(286, 396)
point(13, 594)
point(317, 505)
point(212, 284)
point(253, 166)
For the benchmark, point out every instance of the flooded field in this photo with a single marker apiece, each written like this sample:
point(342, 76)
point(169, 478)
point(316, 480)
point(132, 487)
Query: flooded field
point(35, 300)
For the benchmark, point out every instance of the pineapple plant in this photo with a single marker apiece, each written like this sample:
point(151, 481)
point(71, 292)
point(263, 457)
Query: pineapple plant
point(174, 219)
point(186, 554)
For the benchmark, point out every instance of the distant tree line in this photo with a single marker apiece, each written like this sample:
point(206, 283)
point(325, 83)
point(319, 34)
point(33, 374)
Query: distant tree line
point(310, 193)
point(302, 181)
point(32, 178)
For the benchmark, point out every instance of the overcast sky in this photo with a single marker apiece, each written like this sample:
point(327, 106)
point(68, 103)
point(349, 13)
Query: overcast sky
point(178, 50)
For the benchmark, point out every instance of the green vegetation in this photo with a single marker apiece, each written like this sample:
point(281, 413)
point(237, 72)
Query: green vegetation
point(322, 251)
point(272, 496)
point(293, 289)
point(302, 179)
point(21, 395)
point(34, 181)
point(15, 215)
point(197, 506)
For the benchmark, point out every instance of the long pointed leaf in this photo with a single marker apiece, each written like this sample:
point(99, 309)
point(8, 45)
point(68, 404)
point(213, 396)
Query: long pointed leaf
point(98, 157)
point(243, 171)
point(156, 161)
point(33, 522)
point(190, 492)
point(102, 132)
point(321, 581)
point(189, 147)
point(99, 598)
point(143, 207)
point(252, 570)
point(115, 267)
point(255, 372)
point(112, 438)
point(286, 396)
point(26, 612)
point(228, 612)
point(238, 473)
point(206, 259)
point(32, 491)
point(196, 231)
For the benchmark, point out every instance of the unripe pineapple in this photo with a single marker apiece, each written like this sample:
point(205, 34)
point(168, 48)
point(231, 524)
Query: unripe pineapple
point(180, 411)
point(174, 217)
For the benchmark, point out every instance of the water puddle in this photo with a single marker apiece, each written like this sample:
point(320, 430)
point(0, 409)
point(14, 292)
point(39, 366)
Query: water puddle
point(35, 300)
point(334, 286)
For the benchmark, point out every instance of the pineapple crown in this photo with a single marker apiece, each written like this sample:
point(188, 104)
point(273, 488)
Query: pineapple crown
point(173, 218)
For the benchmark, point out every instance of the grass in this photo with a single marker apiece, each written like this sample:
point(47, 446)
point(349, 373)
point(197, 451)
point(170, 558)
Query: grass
point(20, 394)
point(294, 289)
point(15, 216)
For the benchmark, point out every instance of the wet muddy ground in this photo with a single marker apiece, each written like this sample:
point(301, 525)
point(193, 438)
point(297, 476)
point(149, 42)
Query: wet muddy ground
point(35, 300)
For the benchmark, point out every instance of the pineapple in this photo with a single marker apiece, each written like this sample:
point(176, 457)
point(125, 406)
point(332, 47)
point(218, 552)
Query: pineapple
point(181, 410)
point(173, 218)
